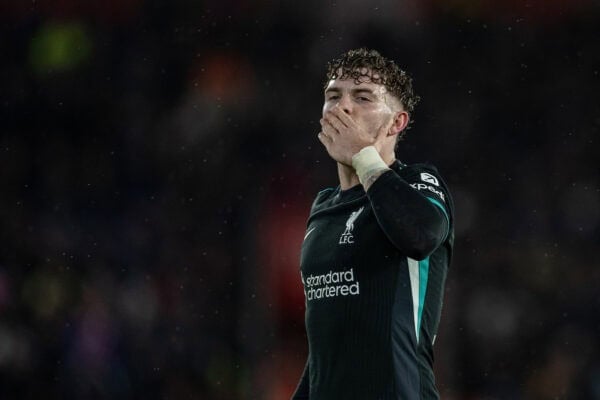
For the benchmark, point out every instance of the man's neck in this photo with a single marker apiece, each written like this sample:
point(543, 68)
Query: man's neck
point(348, 177)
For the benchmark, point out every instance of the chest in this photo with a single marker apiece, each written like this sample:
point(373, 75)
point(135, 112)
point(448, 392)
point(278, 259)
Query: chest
point(344, 239)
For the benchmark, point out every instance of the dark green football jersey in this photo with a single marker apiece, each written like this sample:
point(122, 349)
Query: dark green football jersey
point(373, 266)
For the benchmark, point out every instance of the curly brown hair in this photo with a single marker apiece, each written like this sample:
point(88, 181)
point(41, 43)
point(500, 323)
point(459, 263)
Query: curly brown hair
point(381, 70)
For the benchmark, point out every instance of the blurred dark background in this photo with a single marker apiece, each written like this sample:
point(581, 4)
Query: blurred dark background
point(158, 161)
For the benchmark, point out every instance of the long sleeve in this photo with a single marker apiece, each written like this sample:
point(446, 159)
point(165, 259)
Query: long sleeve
point(303, 390)
point(416, 223)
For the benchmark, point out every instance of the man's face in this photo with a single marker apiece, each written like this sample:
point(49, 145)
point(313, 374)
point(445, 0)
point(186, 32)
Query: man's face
point(368, 103)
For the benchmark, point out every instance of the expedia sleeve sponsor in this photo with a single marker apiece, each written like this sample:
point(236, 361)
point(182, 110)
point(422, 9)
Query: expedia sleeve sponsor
point(424, 186)
point(427, 180)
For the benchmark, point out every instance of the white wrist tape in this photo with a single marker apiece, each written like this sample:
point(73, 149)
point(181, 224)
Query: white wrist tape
point(367, 162)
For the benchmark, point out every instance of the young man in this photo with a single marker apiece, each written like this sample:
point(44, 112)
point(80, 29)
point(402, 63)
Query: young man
point(377, 247)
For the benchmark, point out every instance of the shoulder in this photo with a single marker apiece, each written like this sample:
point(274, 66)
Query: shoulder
point(323, 197)
point(426, 178)
point(418, 172)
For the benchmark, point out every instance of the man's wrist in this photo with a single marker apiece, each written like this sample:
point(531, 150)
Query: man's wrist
point(368, 165)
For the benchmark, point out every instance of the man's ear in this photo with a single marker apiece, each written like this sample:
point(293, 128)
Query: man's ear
point(399, 123)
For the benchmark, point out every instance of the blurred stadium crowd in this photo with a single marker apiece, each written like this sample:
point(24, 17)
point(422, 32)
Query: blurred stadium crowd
point(158, 161)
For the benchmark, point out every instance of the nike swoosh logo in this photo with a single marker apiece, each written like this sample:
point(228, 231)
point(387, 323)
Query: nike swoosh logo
point(308, 233)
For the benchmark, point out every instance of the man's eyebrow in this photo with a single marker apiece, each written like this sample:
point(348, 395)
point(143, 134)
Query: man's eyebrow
point(356, 90)
point(363, 90)
point(333, 89)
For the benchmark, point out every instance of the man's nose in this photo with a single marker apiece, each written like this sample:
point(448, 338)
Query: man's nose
point(345, 103)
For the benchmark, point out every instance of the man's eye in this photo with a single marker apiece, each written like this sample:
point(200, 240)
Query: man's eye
point(362, 98)
point(334, 97)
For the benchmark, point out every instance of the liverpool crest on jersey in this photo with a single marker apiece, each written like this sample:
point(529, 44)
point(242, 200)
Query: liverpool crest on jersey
point(347, 236)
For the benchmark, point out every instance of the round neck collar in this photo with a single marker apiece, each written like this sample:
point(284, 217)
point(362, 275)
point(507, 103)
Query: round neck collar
point(352, 193)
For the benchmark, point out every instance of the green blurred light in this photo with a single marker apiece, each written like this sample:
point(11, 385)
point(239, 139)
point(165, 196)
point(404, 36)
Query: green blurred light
point(59, 47)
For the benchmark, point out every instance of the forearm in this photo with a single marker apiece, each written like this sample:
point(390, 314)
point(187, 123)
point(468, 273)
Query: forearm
point(408, 218)
point(372, 177)
point(410, 221)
